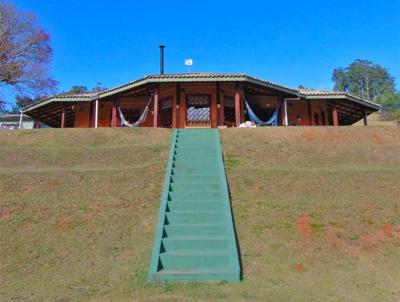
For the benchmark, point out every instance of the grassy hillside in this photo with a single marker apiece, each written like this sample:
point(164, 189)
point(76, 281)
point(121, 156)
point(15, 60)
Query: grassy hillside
point(316, 211)
point(375, 120)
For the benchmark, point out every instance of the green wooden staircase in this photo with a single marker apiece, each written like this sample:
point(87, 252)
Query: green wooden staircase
point(195, 239)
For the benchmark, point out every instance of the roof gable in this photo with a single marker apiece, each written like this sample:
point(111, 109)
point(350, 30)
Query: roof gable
point(196, 77)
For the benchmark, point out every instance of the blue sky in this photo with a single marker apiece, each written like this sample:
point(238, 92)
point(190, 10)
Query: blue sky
point(289, 42)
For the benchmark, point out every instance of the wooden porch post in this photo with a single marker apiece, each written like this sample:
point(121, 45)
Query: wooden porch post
point(175, 108)
point(310, 118)
point(242, 108)
point(63, 114)
point(214, 111)
point(218, 97)
point(182, 109)
point(96, 113)
point(221, 107)
point(365, 118)
point(114, 115)
point(21, 114)
point(156, 108)
point(335, 115)
point(174, 112)
point(285, 118)
point(281, 113)
point(238, 107)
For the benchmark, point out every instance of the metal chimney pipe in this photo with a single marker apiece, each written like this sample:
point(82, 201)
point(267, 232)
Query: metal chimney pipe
point(162, 59)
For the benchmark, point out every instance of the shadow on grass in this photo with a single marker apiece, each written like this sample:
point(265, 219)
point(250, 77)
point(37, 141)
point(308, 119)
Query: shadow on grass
point(234, 224)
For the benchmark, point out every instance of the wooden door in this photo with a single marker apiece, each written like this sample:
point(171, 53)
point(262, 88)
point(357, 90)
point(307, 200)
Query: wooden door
point(198, 111)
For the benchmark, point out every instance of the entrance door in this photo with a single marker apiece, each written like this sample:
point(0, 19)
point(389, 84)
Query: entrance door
point(198, 111)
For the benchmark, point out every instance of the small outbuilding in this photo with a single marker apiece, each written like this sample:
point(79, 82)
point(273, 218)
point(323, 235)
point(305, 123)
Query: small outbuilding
point(12, 121)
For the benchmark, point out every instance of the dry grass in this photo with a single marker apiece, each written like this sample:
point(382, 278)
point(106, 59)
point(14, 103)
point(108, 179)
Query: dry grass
point(375, 120)
point(79, 210)
point(316, 212)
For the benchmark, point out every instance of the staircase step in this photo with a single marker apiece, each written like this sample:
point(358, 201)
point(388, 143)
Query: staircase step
point(196, 275)
point(213, 171)
point(195, 164)
point(195, 159)
point(210, 187)
point(195, 271)
point(199, 150)
point(202, 141)
point(201, 230)
point(195, 206)
point(216, 245)
point(194, 178)
point(208, 261)
point(195, 195)
point(195, 217)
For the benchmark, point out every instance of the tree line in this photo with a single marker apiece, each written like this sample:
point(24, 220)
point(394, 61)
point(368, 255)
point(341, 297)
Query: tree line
point(369, 81)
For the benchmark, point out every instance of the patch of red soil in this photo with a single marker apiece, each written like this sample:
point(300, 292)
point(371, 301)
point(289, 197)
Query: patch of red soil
point(97, 208)
point(65, 223)
point(255, 189)
point(359, 248)
point(45, 214)
point(151, 170)
point(303, 226)
point(384, 234)
point(120, 206)
point(299, 267)
point(335, 137)
point(5, 214)
point(335, 236)
point(29, 226)
point(357, 252)
point(376, 139)
point(368, 207)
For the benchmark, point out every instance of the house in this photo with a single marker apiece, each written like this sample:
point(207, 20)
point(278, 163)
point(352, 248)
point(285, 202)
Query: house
point(200, 100)
point(12, 121)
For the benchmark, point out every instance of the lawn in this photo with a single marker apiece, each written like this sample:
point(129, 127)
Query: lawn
point(374, 119)
point(317, 214)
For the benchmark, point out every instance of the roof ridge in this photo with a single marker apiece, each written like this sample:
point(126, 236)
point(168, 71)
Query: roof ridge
point(194, 74)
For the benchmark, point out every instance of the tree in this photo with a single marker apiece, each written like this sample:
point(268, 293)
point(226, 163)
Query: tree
point(77, 89)
point(99, 87)
point(25, 53)
point(23, 101)
point(363, 79)
point(390, 101)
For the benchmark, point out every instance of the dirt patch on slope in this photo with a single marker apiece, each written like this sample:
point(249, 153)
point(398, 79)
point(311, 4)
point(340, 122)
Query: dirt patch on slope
point(303, 227)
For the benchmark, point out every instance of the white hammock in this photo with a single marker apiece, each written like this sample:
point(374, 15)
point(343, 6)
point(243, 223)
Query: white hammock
point(141, 119)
